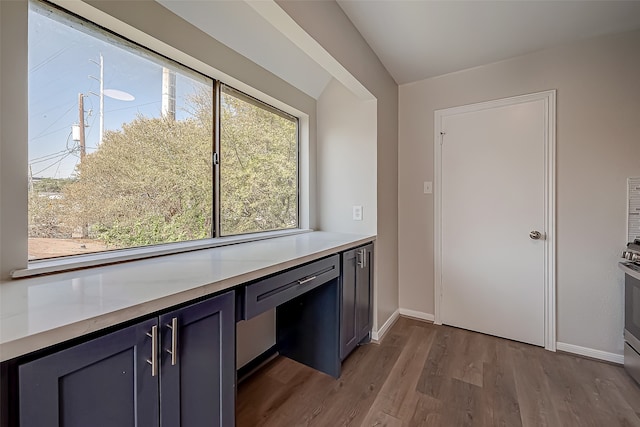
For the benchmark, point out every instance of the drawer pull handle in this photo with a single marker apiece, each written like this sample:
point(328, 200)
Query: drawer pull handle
point(174, 340)
point(307, 280)
point(154, 350)
point(361, 257)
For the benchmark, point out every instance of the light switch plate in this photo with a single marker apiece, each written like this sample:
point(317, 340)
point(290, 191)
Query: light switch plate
point(357, 213)
point(428, 187)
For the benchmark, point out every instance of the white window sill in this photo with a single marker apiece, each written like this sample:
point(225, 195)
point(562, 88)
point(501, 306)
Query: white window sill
point(56, 265)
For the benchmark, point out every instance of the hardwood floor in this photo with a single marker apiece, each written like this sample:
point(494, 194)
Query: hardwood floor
point(427, 375)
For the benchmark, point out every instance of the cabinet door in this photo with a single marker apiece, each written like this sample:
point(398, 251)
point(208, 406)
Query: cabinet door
point(348, 329)
point(364, 291)
point(197, 368)
point(103, 382)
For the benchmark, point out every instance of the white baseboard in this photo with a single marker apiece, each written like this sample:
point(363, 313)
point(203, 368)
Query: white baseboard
point(560, 346)
point(417, 314)
point(590, 352)
point(376, 336)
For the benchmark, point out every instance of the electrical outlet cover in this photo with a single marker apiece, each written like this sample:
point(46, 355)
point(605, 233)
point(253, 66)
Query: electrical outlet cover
point(357, 213)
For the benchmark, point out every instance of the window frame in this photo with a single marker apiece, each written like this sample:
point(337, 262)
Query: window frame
point(50, 265)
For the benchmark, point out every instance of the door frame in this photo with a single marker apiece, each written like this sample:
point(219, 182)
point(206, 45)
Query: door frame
point(549, 98)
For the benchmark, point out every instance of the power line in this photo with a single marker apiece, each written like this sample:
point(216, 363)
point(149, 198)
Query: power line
point(133, 106)
point(92, 124)
point(53, 164)
point(49, 59)
point(56, 121)
point(58, 168)
point(48, 133)
point(40, 135)
point(54, 107)
point(48, 157)
point(75, 147)
point(60, 155)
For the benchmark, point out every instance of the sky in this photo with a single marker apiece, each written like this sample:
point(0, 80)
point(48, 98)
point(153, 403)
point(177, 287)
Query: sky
point(61, 67)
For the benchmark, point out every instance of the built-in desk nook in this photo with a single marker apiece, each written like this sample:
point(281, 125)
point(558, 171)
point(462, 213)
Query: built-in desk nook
point(152, 342)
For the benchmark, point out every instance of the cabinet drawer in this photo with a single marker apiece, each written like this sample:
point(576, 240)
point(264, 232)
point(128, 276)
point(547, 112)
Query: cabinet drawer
point(278, 289)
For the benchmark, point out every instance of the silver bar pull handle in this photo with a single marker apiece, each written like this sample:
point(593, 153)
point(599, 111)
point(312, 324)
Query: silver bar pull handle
point(360, 258)
point(174, 340)
point(307, 280)
point(154, 350)
point(364, 258)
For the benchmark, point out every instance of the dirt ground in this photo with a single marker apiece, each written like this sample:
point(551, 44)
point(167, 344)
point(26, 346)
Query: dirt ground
point(40, 248)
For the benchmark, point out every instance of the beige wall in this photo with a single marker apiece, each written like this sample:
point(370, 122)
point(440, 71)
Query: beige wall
point(598, 147)
point(254, 337)
point(330, 27)
point(346, 161)
point(13, 135)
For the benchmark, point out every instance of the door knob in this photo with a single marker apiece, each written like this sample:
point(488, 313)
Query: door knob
point(535, 235)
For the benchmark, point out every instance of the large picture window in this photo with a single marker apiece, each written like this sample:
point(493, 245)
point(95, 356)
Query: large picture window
point(122, 147)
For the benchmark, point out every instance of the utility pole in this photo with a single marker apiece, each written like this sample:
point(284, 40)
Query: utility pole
point(168, 93)
point(100, 95)
point(83, 147)
point(101, 99)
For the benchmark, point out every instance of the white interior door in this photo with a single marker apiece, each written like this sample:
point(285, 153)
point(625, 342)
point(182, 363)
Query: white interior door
point(493, 195)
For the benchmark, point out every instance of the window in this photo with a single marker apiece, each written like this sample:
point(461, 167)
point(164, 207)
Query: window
point(258, 170)
point(121, 147)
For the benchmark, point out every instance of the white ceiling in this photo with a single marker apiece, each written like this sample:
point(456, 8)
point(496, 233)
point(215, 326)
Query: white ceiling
point(414, 39)
point(419, 39)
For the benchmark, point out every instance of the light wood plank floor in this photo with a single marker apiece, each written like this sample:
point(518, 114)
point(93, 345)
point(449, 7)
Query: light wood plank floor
point(427, 375)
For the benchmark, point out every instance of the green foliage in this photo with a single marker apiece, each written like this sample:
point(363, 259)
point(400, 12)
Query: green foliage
point(51, 185)
point(258, 168)
point(147, 184)
point(46, 213)
point(46, 209)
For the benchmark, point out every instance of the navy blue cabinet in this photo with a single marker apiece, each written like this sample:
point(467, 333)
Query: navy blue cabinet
point(197, 361)
point(103, 382)
point(356, 318)
point(174, 370)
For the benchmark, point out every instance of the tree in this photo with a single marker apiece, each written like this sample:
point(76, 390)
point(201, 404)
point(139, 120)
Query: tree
point(258, 168)
point(46, 213)
point(146, 184)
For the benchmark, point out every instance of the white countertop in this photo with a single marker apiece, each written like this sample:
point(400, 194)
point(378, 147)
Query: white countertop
point(39, 312)
point(629, 271)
